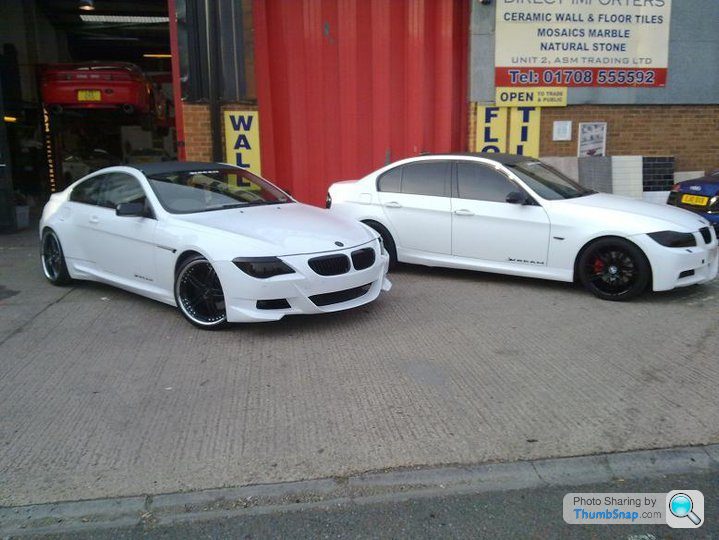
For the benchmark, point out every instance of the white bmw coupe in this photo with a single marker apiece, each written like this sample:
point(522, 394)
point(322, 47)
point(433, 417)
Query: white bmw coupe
point(515, 215)
point(215, 240)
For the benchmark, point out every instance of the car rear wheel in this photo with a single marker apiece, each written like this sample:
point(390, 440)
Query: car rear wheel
point(53, 259)
point(387, 240)
point(614, 269)
point(199, 295)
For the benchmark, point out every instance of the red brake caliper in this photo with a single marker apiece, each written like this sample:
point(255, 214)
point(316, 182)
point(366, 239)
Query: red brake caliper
point(598, 266)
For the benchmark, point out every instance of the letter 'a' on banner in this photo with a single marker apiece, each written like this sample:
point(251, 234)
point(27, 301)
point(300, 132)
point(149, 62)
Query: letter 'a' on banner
point(524, 125)
point(242, 140)
point(491, 135)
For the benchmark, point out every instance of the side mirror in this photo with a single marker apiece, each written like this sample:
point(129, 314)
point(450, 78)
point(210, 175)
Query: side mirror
point(130, 209)
point(516, 197)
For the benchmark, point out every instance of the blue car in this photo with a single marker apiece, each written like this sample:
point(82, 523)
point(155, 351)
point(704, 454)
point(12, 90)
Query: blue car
point(700, 195)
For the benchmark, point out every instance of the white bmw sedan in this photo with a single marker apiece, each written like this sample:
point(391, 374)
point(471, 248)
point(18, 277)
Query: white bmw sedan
point(215, 240)
point(515, 215)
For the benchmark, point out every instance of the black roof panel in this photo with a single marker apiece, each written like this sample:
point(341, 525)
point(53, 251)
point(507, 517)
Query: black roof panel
point(167, 167)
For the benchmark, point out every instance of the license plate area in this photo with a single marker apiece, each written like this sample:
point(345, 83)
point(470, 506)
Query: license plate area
point(89, 95)
point(695, 200)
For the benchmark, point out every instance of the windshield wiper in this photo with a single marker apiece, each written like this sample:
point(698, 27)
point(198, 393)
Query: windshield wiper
point(260, 203)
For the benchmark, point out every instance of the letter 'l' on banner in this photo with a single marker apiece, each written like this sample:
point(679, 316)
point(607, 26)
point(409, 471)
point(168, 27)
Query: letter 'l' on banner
point(524, 131)
point(242, 139)
point(491, 135)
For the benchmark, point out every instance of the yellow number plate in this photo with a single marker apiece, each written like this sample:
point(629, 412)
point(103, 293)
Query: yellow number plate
point(89, 95)
point(696, 200)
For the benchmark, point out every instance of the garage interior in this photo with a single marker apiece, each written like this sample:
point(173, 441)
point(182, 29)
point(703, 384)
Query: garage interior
point(50, 146)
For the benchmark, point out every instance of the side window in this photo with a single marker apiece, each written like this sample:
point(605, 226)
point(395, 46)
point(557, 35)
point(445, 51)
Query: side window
point(482, 183)
point(89, 191)
point(425, 178)
point(121, 188)
point(390, 181)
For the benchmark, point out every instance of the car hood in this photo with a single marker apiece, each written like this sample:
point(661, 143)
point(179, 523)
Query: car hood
point(642, 214)
point(707, 186)
point(290, 229)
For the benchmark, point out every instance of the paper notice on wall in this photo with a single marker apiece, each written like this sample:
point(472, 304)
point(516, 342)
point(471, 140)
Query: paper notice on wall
point(592, 139)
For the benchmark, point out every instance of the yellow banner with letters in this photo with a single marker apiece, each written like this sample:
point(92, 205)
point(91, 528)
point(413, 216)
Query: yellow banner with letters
point(242, 139)
point(531, 97)
point(491, 133)
point(524, 123)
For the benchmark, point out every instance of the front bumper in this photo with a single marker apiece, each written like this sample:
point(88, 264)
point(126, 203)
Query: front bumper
point(681, 267)
point(301, 289)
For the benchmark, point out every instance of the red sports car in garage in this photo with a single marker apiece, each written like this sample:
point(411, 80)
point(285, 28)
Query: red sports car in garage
point(98, 85)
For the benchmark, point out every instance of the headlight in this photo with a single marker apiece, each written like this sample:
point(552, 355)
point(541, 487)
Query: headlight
point(262, 267)
point(674, 239)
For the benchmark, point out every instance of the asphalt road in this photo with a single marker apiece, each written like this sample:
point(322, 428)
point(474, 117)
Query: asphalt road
point(522, 513)
point(106, 394)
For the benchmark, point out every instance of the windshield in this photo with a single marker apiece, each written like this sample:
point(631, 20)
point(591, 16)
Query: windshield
point(186, 192)
point(547, 182)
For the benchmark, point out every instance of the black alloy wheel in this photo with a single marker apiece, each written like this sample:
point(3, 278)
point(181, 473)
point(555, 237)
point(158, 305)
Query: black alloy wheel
point(53, 259)
point(199, 295)
point(614, 269)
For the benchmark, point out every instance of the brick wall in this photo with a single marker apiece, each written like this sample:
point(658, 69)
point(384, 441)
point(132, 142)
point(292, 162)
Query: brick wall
point(688, 132)
point(198, 142)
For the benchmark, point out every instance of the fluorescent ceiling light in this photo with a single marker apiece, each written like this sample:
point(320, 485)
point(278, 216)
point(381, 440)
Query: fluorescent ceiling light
point(10, 119)
point(87, 5)
point(127, 19)
point(157, 55)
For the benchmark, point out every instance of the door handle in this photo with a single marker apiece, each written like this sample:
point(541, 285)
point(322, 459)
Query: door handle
point(464, 212)
point(94, 220)
point(393, 204)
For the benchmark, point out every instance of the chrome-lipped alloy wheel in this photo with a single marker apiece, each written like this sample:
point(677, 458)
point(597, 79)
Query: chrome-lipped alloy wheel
point(199, 294)
point(51, 257)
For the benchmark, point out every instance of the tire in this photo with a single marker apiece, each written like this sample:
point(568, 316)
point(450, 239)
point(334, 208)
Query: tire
point(614, 269)
point(387, 240)
point(53, 259)
point(198, 293)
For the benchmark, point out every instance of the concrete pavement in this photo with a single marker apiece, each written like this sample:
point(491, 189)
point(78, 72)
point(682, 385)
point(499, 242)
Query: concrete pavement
point(106, 394)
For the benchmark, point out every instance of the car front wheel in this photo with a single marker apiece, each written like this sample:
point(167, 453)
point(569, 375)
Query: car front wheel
point(199, 295)
point(614, 269)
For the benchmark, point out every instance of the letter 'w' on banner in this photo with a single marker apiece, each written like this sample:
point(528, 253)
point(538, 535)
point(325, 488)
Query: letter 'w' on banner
point(491, 133)
point(524, 131)
point(242, 139)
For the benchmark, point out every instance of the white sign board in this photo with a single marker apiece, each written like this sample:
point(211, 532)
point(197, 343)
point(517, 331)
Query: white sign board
point(609, 43)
